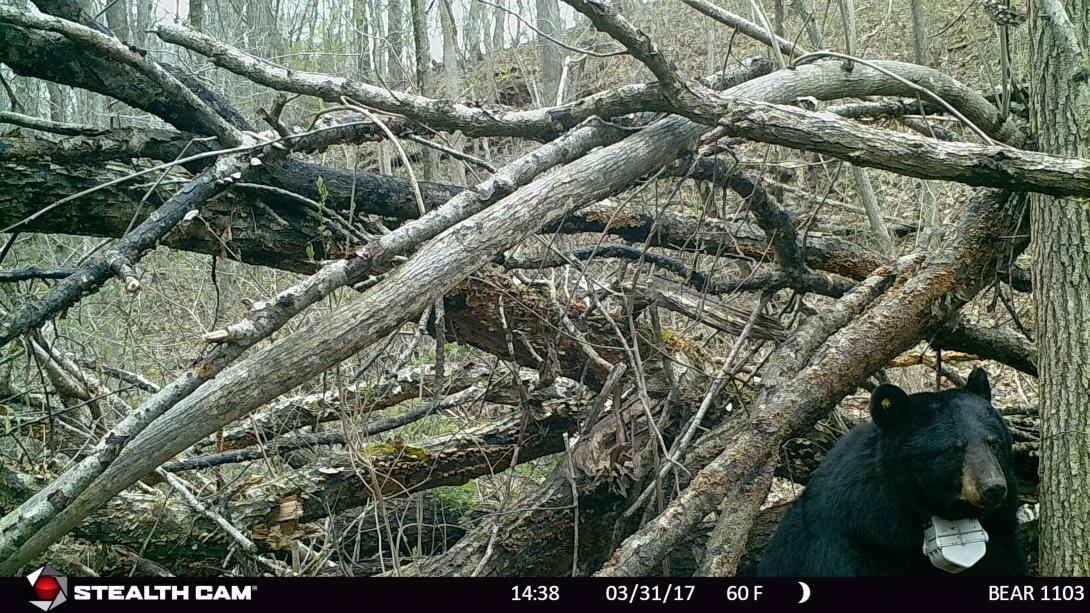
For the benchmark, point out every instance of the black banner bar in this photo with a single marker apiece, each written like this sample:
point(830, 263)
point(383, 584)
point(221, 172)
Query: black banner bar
point(311, 595)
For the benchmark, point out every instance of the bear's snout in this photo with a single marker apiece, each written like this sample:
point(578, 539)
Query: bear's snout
point(995, 492)
point(982, 481)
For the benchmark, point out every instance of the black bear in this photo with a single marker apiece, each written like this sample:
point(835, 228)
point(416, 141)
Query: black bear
point(866, 508)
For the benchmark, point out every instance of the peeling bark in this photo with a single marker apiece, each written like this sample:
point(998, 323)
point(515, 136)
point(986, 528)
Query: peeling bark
point(886, 324)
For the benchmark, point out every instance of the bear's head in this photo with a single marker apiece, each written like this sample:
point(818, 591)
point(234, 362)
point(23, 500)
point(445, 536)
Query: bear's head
point(949, 452)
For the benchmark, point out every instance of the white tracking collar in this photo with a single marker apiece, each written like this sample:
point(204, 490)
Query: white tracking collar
point(954, 545)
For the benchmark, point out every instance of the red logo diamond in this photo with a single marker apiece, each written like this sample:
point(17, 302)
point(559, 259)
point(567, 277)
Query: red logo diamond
point(50, 588)
point(46, 588)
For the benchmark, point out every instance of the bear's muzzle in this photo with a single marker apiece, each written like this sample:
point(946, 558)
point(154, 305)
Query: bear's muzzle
point(983, 484)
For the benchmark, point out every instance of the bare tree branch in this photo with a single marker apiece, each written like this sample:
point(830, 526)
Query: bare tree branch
point(485, 120)
point(45, 125)
point(228, 134)
point(808, 383)
point(744, 26)
point(126, 252)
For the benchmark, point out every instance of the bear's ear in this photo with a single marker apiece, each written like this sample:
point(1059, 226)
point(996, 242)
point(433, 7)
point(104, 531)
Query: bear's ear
point(889, 405)
point(978, 384)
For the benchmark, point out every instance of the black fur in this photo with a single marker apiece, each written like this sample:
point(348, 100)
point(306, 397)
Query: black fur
point(866, 507)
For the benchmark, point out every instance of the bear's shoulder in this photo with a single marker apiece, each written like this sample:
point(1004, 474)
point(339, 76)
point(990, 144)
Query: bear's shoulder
point(849, 490)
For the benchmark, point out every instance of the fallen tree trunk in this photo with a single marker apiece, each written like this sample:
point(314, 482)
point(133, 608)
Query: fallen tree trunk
point(404, 293)
point(877, 329)
point(989, 343)
point(352, 478)
point(153, 524)
point(238, 226)
point(126, 252)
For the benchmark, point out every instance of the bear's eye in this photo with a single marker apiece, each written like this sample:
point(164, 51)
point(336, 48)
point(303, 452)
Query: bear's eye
point(959, 445)
point(992, 441)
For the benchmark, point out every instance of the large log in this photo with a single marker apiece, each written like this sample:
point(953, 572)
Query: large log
point(158, 526)
point(803, 385)
point(353, 477)
point(123, 254)
point(403, 294)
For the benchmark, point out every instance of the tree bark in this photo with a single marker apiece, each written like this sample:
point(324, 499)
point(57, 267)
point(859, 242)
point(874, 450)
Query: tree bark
point(867, 328)
point(1061, 284)
point(395, 50)
point(550, 56)
point(124, 254)
point(435, 269)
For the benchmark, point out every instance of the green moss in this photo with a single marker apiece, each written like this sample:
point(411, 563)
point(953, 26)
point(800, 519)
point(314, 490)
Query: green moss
point(461, 499)
point(676, 343)
point(402, 451)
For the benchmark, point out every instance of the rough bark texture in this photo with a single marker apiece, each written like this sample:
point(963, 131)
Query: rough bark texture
point(550, 56)
point(125, 253)
point(357, 475)
point(255, 235)
point(906, 154)
point(727, 541)
point(795, 394)
point(1061, 283)
point(442, 264)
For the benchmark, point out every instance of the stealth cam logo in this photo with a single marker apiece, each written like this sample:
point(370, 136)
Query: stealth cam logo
point(50, 586)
